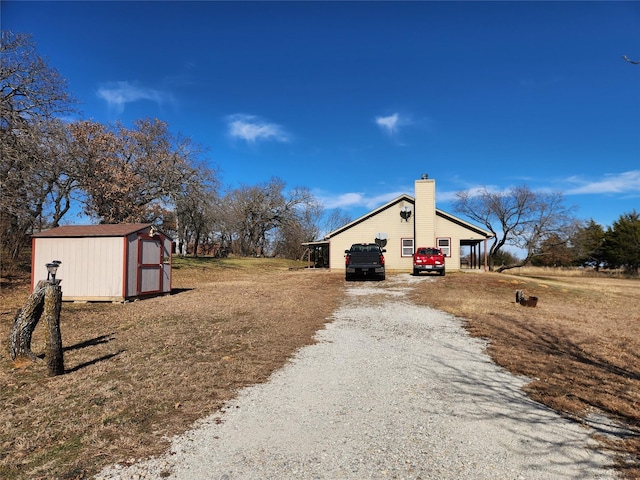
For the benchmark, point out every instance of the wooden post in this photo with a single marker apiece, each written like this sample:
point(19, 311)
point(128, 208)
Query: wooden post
point(52, 307)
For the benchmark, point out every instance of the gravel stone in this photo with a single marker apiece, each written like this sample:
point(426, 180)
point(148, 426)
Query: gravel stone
point(390, 391)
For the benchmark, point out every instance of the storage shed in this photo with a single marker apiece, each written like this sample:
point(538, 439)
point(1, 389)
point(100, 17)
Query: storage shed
point(104, 262)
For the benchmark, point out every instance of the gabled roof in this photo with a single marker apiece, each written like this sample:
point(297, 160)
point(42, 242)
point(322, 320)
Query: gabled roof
point(104, 230)
point(373, 213)
point(462, 223)
point(409, 199)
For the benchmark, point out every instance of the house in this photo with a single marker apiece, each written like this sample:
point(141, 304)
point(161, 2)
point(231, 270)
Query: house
point(104, 262)
point(401, 226)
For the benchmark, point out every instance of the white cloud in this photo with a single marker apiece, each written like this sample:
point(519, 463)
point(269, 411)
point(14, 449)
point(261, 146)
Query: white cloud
point(446, 196)
point(118, 94)
point(389, 124)
point(355, 200)
point(626, 182)
point(251, 129)
point(344, 200)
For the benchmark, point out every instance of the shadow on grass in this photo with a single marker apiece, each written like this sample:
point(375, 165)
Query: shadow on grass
point(93, 362)
point(365, 278)
point(584, 370)
point(571, 376)
point(175, 291)
point(101, 340)
point(90, 343)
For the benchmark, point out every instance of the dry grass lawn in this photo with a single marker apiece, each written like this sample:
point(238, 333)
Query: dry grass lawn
point(580, 344)
point(142, 371)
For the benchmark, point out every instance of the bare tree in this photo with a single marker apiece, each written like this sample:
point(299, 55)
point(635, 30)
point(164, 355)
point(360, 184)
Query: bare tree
point(336, 219)
point(252, 215)
point(62, 172)
point(195, 209)
point(32, 95)
point(518, 217)
point(127, 174)
point(301, 226)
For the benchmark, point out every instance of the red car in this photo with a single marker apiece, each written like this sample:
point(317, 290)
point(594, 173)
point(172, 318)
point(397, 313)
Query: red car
point(428, 259)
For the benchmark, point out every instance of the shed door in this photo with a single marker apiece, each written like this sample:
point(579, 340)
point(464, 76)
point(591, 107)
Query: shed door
point(149, 265)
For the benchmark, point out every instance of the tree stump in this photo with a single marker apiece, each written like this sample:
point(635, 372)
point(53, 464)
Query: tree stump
point(52, 307)
point(25, 323)
point(46, 298)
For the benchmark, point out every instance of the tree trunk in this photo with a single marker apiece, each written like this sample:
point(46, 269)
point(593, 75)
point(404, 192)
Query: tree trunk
point(52, 307)
point(523, 263)
point(25, 323)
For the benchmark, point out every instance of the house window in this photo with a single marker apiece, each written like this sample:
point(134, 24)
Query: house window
point(407, 247)
point(444, 244)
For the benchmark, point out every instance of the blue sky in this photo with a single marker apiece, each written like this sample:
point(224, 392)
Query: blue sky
point(355, 100)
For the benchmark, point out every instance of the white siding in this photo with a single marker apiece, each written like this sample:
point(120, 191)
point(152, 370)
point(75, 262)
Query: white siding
point(425, 213)
point(92, 267)
point(448, 229)
point(425, 226)
point(387, 221)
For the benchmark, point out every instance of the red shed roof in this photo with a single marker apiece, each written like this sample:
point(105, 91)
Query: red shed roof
point(104, 230)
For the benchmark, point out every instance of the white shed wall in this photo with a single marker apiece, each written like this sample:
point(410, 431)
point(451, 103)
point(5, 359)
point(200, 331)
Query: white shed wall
point(91, 269)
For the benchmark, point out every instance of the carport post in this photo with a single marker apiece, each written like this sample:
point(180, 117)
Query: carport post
point(485, 255)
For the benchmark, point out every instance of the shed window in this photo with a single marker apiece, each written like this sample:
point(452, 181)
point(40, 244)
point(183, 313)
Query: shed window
point(444, 244)
point(407, 247)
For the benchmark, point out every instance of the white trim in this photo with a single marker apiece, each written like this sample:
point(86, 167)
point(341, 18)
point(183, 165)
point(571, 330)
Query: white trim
point(405, 247)
point(446, 249)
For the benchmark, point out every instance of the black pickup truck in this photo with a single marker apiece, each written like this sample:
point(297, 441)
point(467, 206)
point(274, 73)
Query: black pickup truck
point(364, 259)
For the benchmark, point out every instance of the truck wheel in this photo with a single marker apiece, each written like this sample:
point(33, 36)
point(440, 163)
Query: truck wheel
point(416, 271)
point(442, 272)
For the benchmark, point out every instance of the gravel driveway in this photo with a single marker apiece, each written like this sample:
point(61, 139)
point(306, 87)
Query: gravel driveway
point(391, 390)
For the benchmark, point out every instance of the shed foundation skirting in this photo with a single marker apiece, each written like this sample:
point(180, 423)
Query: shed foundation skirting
point(93, 299)
point(111, 299)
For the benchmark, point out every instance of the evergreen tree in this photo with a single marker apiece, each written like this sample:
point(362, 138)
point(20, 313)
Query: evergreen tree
point(622, 242)
point(587, 245)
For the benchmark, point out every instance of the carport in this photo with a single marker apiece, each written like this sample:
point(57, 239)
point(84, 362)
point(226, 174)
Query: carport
point(317, 254)
point(477, 257)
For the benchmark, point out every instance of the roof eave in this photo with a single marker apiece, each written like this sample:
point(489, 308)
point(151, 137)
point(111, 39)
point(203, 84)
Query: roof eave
point(372, 213)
